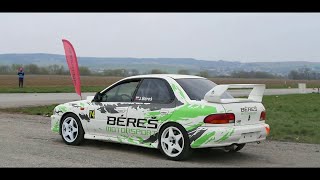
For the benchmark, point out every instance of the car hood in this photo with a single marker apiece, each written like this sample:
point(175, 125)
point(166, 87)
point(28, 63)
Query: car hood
point(80, 103)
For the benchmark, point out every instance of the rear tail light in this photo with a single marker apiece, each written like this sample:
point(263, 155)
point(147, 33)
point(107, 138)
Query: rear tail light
point(263, 116)
point(220, 118)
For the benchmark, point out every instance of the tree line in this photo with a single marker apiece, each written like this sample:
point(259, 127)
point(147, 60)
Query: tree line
point(299, 74)
point(44, 70)
point(85, 71)
point(304, 73)
point(254, 74)
point(33, 69)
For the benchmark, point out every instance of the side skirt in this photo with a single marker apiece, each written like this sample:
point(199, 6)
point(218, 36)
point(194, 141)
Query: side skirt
point(121, 139)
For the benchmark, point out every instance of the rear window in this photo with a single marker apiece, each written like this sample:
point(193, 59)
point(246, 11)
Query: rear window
point(197, 88)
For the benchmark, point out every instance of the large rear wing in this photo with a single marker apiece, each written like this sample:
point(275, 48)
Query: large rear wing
point(256, 94)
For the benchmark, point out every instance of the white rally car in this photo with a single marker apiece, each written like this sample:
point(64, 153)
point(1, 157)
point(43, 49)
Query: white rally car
point(175, 113)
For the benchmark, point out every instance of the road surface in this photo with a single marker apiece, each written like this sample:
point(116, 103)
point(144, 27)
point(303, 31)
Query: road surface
point(34, 99)
point(26, 141)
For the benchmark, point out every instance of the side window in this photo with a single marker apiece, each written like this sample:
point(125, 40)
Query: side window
point(120, 93)
point(153, 91)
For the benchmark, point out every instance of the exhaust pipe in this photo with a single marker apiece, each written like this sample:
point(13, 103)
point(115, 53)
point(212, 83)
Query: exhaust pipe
point(258, 142)
point(230, 147)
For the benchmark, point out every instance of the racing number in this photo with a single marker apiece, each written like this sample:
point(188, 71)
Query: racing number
point(91, 114)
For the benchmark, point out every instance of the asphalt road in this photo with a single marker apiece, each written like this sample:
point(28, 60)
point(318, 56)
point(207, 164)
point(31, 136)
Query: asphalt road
point(26, 141)
point(34, 99)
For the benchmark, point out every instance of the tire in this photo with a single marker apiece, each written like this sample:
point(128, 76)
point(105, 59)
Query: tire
point(174, 142)
point(72, 132)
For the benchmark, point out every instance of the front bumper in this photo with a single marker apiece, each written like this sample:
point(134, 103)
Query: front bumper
point(55, 123)
point(224, 136)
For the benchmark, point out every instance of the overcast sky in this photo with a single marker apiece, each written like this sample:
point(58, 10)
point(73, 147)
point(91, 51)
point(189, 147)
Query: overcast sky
point(242, 37)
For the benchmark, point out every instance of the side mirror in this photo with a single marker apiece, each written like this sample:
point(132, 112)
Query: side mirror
point(97, 97)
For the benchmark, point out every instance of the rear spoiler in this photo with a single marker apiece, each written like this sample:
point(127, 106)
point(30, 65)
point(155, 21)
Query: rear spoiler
point(256, 94)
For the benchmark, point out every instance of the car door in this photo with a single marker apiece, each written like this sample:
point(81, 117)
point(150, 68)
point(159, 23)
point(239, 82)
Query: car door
point(152, 104)
point(108, 116)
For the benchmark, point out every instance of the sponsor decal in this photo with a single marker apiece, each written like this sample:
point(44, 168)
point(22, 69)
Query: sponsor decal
point(124, 130)
point(249, 109)
point(84, 116)
point(142, 98)
point(132, 122)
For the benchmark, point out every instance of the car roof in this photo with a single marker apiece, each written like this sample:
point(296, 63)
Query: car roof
point(173, 76)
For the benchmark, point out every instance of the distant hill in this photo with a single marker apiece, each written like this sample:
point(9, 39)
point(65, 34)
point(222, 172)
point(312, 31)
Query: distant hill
point(171, 65)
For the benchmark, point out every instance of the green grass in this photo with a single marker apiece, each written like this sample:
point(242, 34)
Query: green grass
point(291, 117)
point(36, 110)
point(54, 89)
point(282, 86)
point(294, 117)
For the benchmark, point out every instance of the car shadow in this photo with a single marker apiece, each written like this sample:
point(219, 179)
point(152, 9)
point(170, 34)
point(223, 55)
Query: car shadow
point(206, 155)
point(127, 148)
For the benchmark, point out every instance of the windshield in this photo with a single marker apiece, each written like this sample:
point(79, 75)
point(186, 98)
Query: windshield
point(197, 88)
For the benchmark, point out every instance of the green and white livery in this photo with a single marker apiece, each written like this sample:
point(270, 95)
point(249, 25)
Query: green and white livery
point(175, 113)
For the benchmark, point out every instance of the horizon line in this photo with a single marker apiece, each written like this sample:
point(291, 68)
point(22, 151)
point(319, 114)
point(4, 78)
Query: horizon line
point(162, 58)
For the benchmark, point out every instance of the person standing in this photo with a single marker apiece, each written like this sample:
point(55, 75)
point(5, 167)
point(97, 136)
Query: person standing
point(21, 77)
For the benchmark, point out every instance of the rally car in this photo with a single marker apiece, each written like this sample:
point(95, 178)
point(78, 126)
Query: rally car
point(174, 113)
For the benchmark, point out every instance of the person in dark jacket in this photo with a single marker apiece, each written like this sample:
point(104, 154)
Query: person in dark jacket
point(21, 77)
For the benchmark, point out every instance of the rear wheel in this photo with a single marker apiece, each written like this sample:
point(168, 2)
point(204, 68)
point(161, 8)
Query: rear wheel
point(174, 142)
point(71, 130)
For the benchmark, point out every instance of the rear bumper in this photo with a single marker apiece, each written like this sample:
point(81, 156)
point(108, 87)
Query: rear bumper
point(224, 136)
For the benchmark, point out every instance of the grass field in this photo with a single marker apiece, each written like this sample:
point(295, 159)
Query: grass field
point(294, 117)
point(34, 110)
point(53, 84)
point(291, 117)
point(56, 83)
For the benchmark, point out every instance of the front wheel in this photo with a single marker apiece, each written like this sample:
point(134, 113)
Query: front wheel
point(71, 130)
point(174, 142)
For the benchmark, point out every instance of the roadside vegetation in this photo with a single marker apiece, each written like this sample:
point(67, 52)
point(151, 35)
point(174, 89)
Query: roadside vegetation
point(292, 118)
point(304, 73)
point(56, 78)
point(63, 83)
point(32, 110)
